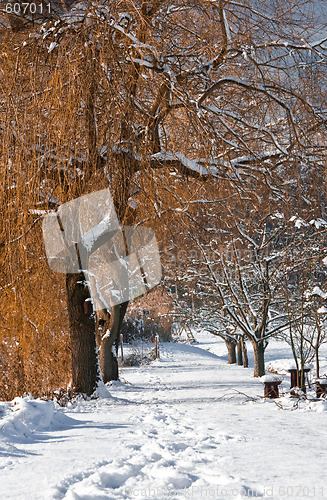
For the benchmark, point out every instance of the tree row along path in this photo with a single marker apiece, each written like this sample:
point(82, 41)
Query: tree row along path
point(187, 426)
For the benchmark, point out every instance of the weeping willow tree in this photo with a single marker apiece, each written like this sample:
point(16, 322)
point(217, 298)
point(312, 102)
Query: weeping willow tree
point(122, 95)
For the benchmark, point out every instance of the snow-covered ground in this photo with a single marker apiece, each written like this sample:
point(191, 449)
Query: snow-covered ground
point(187, 426)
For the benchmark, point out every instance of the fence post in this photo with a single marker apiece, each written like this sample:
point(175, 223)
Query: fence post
point(156, 346)
point(121, 347)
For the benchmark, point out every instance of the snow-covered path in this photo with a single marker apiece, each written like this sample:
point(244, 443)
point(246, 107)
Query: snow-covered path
point(178, 429)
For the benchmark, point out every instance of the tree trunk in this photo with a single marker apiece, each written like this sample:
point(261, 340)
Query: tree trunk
point(82, 336)
point(108, 358)
point(231, 346)
point(102, 324)
point(239, 353)
point(244, 353)
point(259, 359)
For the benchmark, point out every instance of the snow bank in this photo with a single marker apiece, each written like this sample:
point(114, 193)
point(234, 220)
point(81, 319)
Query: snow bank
point(317, 406)
point(101, 391)
point(27, 416)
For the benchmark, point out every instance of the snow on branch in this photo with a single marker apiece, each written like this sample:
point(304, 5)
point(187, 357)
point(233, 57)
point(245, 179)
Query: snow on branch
point(293, 46)
point(182, 162)
point(225, 26)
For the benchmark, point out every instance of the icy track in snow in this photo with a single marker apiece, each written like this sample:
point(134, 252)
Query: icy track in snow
point(187, 426)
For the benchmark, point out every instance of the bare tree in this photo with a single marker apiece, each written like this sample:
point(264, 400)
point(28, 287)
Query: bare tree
point(245, 274)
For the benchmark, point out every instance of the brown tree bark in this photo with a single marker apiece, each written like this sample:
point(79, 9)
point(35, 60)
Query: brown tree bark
point(259, 359)
point(102, 324)
point(108, 358)
point(239, 353)
point(231, 346)
point(244, 353)
point(82, 336)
